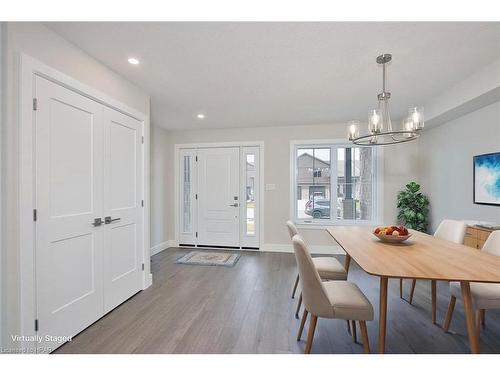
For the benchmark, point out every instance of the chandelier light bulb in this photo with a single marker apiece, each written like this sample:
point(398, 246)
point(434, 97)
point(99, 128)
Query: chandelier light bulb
point(417, 116)
point(374, 121)
point(353, 129)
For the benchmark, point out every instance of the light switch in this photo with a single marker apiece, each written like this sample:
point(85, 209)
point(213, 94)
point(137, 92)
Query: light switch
point(270, 186)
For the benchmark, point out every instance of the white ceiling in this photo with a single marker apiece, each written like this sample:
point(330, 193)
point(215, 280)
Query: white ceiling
point(267, 74)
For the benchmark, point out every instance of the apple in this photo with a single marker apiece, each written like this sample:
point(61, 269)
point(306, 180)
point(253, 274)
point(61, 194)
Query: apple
point(389, 231)
point(377, 230)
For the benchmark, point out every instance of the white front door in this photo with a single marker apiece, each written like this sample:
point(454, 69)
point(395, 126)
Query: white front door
point(218, 196)
point(69, 196)
point(122, 207)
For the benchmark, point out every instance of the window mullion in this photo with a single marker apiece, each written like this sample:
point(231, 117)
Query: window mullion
point(333, 184)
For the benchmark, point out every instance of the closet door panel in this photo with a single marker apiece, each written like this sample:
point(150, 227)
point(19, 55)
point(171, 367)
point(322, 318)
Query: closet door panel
point(69, 185)
point(122, 206)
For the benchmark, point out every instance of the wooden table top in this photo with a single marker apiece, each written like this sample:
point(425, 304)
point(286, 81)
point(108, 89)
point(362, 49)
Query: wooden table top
point(422, 256)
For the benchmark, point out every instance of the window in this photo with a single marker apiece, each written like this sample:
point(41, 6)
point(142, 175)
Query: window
point(186, 194)
point(250, 198)
point(334, 183)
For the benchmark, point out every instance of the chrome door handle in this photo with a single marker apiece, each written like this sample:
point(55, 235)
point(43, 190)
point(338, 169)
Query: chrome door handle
point(108, 220)
point(97, 222)
point(233, 205)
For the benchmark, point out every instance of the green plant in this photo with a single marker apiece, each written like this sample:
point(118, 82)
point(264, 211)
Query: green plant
point(413, 207)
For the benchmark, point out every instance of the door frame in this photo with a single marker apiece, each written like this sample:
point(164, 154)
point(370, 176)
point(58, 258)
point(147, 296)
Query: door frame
point(29, 69)
point(180, 146)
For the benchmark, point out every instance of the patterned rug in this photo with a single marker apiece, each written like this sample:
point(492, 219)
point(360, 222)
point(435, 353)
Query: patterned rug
point(209, 258)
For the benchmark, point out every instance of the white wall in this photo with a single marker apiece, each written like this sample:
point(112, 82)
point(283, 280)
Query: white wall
point(43, 44)
point(445, 164)
point(161, 162)
point(400, 167)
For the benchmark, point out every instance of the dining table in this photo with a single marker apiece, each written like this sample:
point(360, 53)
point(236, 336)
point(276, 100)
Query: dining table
point(421, 256)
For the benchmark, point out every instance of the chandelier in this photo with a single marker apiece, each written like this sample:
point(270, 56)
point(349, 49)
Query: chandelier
point(380, 130)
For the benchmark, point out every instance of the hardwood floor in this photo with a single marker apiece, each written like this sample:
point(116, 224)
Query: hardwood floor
point(248, 309)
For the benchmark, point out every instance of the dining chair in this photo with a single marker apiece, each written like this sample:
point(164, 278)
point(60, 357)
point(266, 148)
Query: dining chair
point(449, 230)
point(328, 268)
point(334, 299)
point(485, 296)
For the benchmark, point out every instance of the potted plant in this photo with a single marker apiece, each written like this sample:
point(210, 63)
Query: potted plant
point(413, 207)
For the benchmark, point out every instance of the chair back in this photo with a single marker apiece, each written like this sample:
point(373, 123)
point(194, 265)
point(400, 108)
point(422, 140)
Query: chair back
point(314, 295)
point(292, 229)
point(451, 230)
point(492, 244)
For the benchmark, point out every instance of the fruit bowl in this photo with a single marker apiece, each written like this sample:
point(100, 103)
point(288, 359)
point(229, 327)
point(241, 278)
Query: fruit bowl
point(392, 234)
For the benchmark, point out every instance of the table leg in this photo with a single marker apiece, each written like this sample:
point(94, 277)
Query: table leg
point(469, 316)
point(434, 300)
point(347, 262)
point(382, 315)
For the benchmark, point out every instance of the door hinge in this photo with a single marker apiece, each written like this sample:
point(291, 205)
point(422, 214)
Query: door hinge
point(36, 325)
point(196, 234)
point(35, 104)
point(196, 196)
point(196, 158)
point(142, 203)
point(34, 215)
point(143, 266)
point(142, 139)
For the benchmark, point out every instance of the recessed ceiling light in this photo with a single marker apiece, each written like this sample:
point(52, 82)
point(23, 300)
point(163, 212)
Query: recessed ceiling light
point(133, 61)
point(201, 116)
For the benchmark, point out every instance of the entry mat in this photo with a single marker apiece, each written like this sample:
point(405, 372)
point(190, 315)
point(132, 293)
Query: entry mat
point(209, 258)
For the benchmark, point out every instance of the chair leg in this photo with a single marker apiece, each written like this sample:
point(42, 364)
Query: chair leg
point(295, 286)
point(310, 333)
point(434, 300)
point(298, 306)
point(449, 313)
point(483, 316)
point(364, 335)
point(412, 291)
point(354, 337)
point(302, 323)
point(401, 288)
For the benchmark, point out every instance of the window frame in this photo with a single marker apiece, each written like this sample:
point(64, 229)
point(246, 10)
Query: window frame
point(334, 145)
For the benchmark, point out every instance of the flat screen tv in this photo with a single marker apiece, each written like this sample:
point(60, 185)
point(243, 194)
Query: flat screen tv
point(487, 179)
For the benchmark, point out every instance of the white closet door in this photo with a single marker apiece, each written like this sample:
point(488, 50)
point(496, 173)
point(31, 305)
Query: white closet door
point(69, 181)
point(218, 196)
point(122, 207)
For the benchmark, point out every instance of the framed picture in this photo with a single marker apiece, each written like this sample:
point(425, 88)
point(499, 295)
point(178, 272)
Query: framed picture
point(487, 179)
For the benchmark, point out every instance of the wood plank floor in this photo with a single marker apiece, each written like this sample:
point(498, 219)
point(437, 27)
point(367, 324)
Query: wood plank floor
point(248, 309)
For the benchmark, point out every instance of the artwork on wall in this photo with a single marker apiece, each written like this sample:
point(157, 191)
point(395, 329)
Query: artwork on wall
point(487, 179)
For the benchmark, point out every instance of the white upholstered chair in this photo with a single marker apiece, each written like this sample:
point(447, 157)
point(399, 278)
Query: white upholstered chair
point(335, 299)
point(484, 295)
point(328, 268)
point(449, 230)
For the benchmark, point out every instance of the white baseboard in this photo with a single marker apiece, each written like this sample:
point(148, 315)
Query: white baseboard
point(163, 246)
point(276, 248)
point(314, 249)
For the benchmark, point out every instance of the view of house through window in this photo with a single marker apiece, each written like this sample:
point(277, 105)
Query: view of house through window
point(334, 183)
